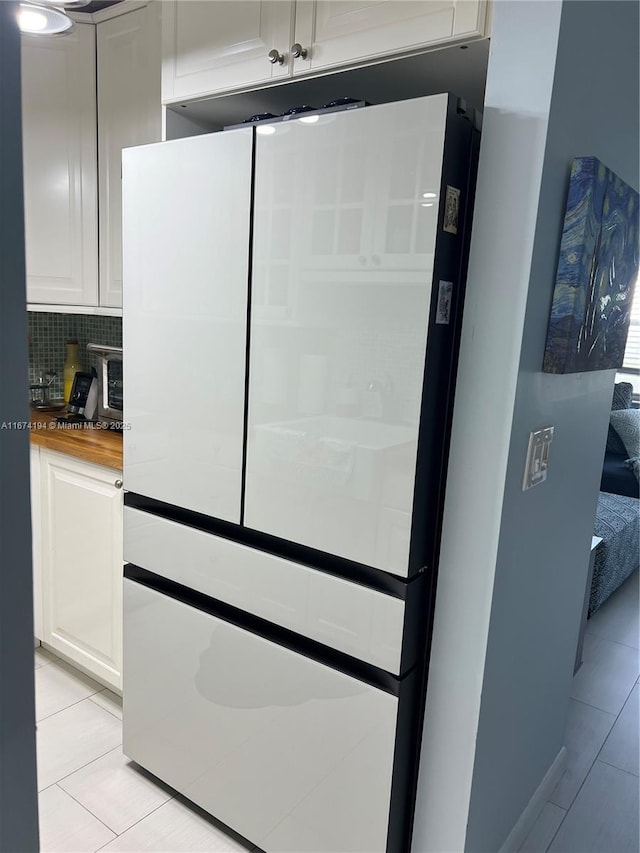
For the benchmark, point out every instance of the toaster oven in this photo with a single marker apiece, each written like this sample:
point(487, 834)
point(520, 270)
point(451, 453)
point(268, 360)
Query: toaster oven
point(110, 384)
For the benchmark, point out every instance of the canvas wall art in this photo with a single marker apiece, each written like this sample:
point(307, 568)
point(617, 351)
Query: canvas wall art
point(597, 272)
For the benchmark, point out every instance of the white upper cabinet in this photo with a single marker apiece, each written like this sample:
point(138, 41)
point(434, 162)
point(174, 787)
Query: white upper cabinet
point(186, 209)
point(335, 385)
point(211, 47)
point(339, 32)
point(129, 113)
point(72, 143)
point(60, 169)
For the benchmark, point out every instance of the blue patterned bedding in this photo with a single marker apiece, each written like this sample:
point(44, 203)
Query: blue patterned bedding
point(618, 555)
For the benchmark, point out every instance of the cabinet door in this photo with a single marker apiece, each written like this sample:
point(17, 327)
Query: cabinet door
point(339, 33)
point(213, 47)
point(129, 114)
point(60, 167)
point(36, 537)
point(335, 393)
point(186, 208)
point(82, 564)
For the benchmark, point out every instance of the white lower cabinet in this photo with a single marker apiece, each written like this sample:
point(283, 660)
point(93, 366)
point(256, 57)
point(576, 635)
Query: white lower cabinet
point(81, 527)
point(36, 548)
point(292, 754)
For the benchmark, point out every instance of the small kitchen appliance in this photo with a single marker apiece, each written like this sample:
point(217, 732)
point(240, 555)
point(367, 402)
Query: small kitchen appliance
point(80, 393)
point(110, 384)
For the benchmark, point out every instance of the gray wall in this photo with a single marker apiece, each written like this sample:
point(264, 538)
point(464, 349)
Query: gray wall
point(517, 102)
point(562, 81)
point(545, 533)
point(18, 803)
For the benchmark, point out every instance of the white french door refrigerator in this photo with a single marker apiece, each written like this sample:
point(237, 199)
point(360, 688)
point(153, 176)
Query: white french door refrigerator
point(292, 305)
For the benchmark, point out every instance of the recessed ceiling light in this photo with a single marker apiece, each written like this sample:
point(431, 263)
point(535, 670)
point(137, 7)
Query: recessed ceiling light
point(309, 119)
point(429, 195)
point(39, 20)
point(265, 129)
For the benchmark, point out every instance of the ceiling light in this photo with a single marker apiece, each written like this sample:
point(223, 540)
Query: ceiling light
point(426, 204)
point(41, 21)
point(265, 129)
point(429, 195)
point(309, 119)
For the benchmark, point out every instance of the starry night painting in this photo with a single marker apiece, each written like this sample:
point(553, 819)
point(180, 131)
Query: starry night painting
point(597, 272)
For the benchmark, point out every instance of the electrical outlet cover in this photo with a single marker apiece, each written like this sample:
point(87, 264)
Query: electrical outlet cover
point(538, 452)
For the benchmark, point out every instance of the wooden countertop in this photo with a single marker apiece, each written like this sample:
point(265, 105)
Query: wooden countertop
point(92, 444)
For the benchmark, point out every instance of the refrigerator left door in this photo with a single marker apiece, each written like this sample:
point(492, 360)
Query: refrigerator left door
point(186, 212)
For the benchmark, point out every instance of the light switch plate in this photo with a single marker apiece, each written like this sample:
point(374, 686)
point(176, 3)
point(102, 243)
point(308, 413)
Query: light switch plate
point(538, 452)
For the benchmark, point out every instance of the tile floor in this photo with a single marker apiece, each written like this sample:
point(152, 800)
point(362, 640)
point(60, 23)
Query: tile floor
point(594, 807)
point(93, 798)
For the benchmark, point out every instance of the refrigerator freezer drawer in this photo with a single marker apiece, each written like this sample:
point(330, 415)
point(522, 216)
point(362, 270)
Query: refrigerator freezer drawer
point(291, 754)
point(346, 616)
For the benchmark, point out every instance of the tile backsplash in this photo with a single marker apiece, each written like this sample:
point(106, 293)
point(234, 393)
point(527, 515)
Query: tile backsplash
point(48, 335)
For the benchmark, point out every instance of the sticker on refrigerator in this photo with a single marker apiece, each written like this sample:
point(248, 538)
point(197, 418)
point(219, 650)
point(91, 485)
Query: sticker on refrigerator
point(451, 210)
point(443, 310)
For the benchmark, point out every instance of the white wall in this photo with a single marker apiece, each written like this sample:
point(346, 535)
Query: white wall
point(18, 804)
point(562, 81)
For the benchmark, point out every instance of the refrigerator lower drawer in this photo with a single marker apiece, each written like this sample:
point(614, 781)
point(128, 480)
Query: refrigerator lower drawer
point(346, 616)
point(291, 754)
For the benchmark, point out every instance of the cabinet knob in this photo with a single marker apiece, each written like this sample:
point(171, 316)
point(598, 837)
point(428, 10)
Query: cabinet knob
point(276, 57)
point(299, 52)
point(118, 484)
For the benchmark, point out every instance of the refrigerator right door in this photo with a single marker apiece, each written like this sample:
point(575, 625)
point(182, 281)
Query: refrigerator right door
point(345, 226)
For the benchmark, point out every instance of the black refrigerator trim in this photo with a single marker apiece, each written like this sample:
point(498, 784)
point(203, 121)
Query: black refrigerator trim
point(411, 712)
point(297, 643)
point(408, 740)
point(441, 346)
point(247, 355)
point(338, 566)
